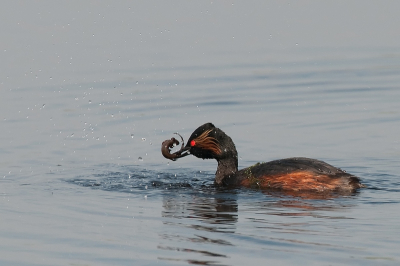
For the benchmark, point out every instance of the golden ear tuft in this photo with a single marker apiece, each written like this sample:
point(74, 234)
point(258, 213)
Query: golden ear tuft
point(204, 141)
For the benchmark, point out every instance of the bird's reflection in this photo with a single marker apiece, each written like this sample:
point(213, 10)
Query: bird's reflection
point(309, 195)
point(214, 216)
point(208, 213)
point(217, 213)
point(305, 203)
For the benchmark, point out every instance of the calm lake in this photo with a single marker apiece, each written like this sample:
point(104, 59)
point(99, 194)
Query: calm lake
point(89, 94)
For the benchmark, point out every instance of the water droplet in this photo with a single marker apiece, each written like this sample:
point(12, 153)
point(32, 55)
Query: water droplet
point(90, 101)
point(297, 44)
point(143, 139)
point(140, 159)
point(145, 187)
point(137, 82)
point(132, 135)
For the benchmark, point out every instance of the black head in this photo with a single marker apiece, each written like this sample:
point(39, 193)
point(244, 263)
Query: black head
point(210, 142)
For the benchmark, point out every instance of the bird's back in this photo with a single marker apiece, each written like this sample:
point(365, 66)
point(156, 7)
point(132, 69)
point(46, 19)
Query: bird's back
point(297, 174)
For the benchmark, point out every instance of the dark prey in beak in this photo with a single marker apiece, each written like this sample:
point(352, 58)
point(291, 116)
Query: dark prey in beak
point(168, 144)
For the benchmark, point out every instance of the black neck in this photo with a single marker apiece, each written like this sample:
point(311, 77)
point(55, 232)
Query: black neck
point(227, 161)
point(226, 170)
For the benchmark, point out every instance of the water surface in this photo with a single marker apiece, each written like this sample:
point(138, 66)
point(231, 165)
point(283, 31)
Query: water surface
point(83, 181)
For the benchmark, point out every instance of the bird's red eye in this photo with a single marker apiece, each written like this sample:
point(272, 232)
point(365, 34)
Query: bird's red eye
point(192, 143)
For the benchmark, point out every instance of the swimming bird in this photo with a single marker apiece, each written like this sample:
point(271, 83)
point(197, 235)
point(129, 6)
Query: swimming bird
point(291, 174)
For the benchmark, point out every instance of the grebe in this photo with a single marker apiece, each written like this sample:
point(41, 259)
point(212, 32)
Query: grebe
point(295, 174)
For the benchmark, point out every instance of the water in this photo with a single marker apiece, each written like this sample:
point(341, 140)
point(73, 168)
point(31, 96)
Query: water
point(83, 181)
